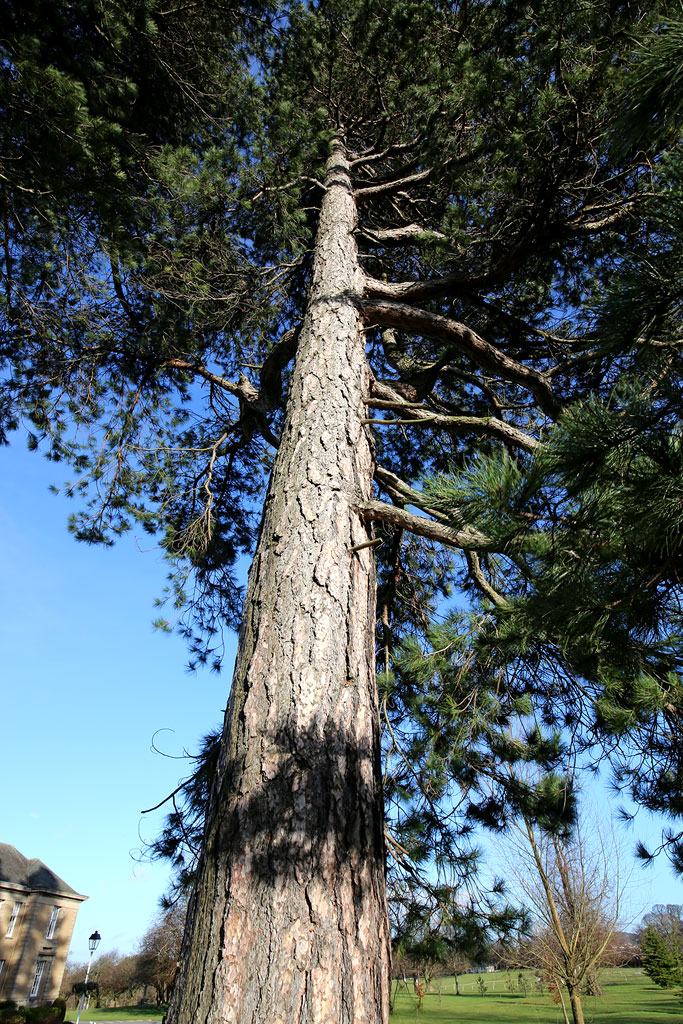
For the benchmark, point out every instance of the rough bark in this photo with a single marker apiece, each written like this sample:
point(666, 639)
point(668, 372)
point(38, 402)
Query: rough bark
point(289, 918)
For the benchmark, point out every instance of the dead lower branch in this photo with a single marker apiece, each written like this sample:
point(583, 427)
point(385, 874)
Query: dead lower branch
point(401, 235)
point(418, 414)
point(480, 580)
point(387, 187)
point(466, 540)
point(467, 341)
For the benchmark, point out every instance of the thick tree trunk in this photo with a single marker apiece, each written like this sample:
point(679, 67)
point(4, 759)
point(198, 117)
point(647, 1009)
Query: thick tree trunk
point(288, 922)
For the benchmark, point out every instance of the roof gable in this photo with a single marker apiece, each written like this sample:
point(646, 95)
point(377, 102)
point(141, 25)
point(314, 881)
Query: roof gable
point(30, 872)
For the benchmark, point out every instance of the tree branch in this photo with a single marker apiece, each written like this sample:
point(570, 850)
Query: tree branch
point(478, 576)
point(198, 370)
point(464, 539)
point(447, 284)
point(620, 208)
point(361, 194)
point(403, 493)
point(467, 341)
point(271, 372)
point(252, 407)
point(418, 414)
point(121, 295)
point(400, 236)
point(374, 157)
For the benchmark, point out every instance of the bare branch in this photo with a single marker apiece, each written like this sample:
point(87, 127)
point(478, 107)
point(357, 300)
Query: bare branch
point(438, 287)
point(421, 415)
point(361, 194)
point(618, 209)
point(402, 235)
point(464, 339)
point(450, 284)
point(370, 158)
point(478, 576)
point(252, 407)
point(274, 363)
point(403, 493)
point(198, 370)
point(467, 539)
point(303, 178)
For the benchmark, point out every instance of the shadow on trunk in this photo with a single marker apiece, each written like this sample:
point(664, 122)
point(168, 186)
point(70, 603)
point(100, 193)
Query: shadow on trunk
point(312, 806)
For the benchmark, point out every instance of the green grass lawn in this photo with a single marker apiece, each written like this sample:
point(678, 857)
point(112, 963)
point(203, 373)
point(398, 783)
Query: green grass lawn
point(146, 1013)
point(629, 997)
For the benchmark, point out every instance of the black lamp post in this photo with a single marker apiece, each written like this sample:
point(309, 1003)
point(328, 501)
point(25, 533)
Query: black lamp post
point(93, 943)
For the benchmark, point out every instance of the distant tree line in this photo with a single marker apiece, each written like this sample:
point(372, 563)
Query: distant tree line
point(425, 950)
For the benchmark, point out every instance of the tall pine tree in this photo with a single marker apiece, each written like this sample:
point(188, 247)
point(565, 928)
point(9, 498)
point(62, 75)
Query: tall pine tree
point(421, 208)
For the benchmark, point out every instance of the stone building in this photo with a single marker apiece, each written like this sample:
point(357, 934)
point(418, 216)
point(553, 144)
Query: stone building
point(37, 916)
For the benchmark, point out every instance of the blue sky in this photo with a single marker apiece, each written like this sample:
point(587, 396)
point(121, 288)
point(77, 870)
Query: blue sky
point(87, 682)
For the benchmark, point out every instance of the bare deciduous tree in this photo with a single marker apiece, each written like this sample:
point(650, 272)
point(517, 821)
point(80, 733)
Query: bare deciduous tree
point(116, 976)
point(159, 951)
point(572, 887)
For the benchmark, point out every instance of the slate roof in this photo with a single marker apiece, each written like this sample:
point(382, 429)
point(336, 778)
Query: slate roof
point(30, 872)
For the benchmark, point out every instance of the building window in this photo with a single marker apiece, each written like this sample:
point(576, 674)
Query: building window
point(13, 920)
point(54, 917)
point(37, 978)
